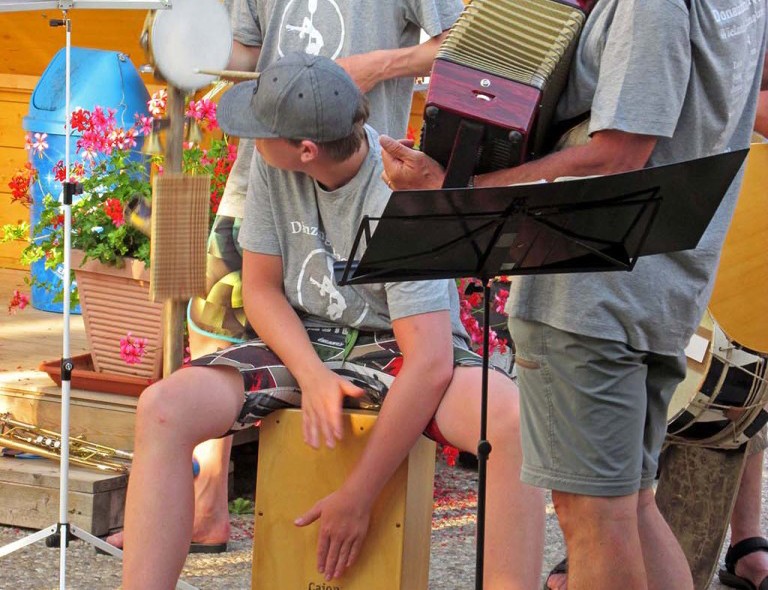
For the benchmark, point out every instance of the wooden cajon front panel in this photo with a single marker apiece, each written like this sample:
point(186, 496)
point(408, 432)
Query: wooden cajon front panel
point(292, 477)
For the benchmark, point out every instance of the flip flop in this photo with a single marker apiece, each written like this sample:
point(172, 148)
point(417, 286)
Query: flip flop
point(560, 568)
point(193, 548)
point(733, 555)
point(207, 547)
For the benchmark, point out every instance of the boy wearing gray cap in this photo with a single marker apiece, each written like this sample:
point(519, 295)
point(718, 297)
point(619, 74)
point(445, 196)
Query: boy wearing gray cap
point(399, 347)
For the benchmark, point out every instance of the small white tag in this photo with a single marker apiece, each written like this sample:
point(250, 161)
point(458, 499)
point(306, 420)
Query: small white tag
point(697, 348)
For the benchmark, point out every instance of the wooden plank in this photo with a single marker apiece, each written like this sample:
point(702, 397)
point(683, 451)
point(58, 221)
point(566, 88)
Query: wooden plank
point(44, 473)
point(11, 116)
point(35, 507)
point(28, 43)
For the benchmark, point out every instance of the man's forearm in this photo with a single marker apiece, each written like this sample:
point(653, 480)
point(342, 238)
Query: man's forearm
point(407, 62)
point(608, 152)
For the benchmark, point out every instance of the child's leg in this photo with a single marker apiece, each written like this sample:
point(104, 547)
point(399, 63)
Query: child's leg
point(173, 415)
point(514, 534)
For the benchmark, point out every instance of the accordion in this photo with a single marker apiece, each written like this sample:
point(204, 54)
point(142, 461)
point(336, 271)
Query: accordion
point(496, 81)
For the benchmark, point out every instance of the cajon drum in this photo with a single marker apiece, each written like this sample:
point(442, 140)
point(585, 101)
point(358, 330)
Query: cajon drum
point(292, 476)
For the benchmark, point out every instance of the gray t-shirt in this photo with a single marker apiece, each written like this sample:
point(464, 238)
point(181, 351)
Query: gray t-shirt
point(336, 28)
point(288, 214)
point(691, 79)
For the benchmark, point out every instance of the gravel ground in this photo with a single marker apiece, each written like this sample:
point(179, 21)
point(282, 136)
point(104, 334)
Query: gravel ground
point(452, 564)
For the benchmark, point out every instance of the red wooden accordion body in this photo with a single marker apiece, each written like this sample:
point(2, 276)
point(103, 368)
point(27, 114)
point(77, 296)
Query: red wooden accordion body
point(502, 66)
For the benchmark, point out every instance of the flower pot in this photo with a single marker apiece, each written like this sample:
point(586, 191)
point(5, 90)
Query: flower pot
point(114, 302)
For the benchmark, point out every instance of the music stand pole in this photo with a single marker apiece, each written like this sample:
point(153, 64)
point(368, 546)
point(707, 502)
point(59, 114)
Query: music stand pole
point(483, 445)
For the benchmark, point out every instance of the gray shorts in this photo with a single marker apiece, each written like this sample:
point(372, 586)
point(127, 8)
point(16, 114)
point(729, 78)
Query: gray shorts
point(593, 411)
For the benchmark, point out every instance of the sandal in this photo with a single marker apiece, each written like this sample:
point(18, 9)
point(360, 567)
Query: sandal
point(733, 555)
point(561, 568)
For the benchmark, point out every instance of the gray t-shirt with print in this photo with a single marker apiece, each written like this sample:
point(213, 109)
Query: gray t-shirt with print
point(288, 214)
point(336, 28)
point(691, 78)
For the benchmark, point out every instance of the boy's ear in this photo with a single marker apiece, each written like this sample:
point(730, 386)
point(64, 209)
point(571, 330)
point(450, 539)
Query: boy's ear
point(308, 151)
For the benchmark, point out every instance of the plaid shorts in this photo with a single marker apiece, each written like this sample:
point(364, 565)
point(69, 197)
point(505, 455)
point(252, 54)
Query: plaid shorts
point(368, 360)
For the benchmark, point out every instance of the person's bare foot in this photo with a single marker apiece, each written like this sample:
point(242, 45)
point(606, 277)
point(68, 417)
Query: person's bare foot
point(557, 582)
point(558, 577)
point(205, 531)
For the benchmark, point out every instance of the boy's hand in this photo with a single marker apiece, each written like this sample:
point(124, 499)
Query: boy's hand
point(321, 402)
point(406, 168)
point(343, 525)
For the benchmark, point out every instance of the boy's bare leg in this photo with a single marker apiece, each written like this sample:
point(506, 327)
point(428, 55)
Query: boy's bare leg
point(173, 415)
point(514, 537)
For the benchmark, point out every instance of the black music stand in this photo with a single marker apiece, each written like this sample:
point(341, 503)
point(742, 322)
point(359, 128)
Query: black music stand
point(583, 225)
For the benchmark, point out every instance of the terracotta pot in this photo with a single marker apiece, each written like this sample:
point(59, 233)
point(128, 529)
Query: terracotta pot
point(115, 301)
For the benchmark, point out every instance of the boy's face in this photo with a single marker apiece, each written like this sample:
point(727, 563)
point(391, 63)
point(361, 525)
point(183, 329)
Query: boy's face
point(279, 153)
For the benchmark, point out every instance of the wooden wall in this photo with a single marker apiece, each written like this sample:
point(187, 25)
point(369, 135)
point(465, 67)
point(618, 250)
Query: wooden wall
point(27, 45)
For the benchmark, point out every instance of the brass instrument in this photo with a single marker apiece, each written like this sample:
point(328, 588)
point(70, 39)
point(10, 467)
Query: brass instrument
point(46, 443)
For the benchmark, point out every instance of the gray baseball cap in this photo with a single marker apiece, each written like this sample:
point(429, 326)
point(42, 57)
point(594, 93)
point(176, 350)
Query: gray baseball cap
point(299, 96)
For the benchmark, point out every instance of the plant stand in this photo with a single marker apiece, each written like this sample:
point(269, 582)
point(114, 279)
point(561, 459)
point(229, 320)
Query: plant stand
point(115, 301)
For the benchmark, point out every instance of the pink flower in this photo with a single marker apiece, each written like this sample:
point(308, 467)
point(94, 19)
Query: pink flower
point(144, 124)
point(500, 300)
point(204, 112)
point(18, 302)
point(157, 104)
point(132, 349)
point(39, 144)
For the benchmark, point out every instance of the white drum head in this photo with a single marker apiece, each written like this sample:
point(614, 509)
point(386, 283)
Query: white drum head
point(192, 35)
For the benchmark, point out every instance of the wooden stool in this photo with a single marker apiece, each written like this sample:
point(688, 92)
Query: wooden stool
point(292, 476)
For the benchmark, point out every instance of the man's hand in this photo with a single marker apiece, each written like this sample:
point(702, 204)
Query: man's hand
point(322, 395)
point(406, 168)
point(343, 525)
point(363, 68)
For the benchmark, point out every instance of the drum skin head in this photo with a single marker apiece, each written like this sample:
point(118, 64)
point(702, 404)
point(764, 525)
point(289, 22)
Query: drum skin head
point(191, 35)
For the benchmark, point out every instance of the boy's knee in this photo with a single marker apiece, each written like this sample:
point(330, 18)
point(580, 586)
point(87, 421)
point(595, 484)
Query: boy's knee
point(158, 406)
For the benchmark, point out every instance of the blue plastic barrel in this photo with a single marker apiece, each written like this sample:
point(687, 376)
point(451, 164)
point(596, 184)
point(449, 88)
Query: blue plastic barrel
point(97, 78)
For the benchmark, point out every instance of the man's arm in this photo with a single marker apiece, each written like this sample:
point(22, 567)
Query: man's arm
point(243, 57)
point(608, 152)
point(275, 321)
point(412, 400)
point(368, 69)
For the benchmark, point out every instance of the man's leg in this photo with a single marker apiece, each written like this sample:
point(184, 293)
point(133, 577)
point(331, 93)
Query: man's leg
point(745, 519)
point(514, 536)
point(603, 542)
point(173, 415)
point(665, 563)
